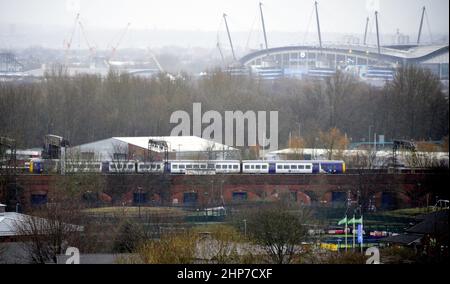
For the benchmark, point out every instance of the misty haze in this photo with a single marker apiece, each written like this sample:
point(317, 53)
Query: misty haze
point(224, 132)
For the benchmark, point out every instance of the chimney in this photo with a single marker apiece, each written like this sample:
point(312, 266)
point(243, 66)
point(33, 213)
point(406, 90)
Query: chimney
point(2, 209)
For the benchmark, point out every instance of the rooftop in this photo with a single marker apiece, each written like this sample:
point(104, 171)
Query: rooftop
point(178, 143)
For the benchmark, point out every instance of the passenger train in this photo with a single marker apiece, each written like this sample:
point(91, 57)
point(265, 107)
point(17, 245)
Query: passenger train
point(191, 167)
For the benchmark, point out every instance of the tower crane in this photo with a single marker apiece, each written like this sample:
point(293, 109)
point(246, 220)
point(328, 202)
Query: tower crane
point(68, 44)
point(116, 46)
point(83, 32)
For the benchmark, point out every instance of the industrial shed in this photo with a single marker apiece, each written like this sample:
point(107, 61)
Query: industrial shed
point(139, 148)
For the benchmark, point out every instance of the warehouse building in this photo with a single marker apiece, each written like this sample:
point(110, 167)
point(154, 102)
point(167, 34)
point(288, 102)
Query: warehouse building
point(154, 149)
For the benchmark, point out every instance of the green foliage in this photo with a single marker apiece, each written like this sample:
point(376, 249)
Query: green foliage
point(170, 249)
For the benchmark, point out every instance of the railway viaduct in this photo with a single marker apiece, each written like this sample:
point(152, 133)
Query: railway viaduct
point(382, 189)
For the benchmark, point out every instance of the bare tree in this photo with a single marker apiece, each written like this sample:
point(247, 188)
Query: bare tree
point(279, 232)
point(334, 142)
point(48, 231)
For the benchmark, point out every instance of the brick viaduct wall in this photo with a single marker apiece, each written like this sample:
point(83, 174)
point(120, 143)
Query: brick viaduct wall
point(211, 190)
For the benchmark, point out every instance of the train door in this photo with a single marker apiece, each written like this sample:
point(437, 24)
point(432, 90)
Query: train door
point(316, 168)
point(166, 167)
point(272, 168)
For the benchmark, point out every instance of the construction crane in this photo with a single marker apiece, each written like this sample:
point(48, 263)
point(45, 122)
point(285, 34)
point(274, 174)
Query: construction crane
point(116, 46)
point(83, 32)
point(68, 44)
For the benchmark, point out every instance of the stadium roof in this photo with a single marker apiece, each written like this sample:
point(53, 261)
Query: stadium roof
point(390, 53)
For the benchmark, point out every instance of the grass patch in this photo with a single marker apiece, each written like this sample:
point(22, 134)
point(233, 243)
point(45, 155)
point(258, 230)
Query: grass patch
point(134, 210)
point(408, 212)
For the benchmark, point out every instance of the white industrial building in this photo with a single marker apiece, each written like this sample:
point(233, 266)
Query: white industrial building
point(139, 148)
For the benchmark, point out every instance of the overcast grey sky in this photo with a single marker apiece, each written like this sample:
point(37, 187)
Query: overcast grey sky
point(346, 16)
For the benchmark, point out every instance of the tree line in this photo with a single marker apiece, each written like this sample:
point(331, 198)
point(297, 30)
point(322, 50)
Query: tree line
point(85, 108)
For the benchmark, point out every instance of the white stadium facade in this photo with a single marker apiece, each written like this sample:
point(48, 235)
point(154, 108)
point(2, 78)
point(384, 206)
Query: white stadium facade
point(366, 62)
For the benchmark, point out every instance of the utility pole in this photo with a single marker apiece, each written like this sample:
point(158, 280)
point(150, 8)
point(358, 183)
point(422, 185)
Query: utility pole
point(318, 25)
point(229, 36)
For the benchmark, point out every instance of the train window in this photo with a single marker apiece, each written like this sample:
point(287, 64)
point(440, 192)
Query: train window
point(158, 167)
point(258, 167)
point(218, 167)
point(130, 167)
point(294, 167)
point(301, 167)
point(175, 166)
point(153, 167)
point(286, 167)
point(252, 167)
point(182, 166)
point(210, 166)
point(247, 167)
point(195, 166)
point(264, 167)
point(279, 167)
point(308, 167)
point(235, 167)
point(113, 166)
point(188, 166)
point(203, 166)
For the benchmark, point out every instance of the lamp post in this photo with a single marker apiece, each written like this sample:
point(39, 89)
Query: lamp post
point(370, 133)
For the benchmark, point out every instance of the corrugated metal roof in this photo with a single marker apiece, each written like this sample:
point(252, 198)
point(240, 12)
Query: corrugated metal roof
point(9, 222)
